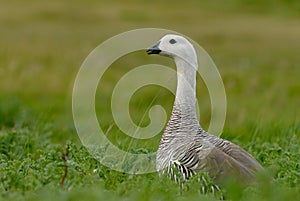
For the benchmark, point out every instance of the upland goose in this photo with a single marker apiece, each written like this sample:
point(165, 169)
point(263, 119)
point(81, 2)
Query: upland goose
point(184, 145)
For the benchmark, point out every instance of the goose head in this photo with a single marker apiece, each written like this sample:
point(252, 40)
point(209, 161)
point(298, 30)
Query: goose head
point(176, 47)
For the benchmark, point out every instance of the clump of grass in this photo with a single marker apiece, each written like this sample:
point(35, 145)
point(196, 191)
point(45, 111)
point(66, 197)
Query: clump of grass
point(32, 168)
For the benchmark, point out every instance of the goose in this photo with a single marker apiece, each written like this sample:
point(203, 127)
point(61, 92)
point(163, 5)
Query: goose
point(184, 145)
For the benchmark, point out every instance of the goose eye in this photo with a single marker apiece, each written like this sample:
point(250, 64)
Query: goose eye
point(172, 41)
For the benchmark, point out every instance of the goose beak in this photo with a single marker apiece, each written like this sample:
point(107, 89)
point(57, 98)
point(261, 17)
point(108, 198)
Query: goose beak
point(154, 49)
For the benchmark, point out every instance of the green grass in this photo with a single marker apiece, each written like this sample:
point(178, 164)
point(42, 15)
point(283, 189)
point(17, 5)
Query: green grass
point(255, 45)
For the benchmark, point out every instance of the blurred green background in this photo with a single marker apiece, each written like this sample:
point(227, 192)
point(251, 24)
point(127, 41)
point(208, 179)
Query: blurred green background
point(255, 45)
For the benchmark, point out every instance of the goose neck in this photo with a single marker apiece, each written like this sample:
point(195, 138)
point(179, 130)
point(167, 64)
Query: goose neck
point(186, 84)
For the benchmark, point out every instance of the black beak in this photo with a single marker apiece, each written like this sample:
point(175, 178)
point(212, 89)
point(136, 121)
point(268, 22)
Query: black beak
point(154, 49)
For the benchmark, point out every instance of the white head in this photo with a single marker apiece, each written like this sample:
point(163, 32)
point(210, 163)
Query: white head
point(177, 47)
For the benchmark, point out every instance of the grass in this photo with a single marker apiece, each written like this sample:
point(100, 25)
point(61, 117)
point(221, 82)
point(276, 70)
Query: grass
point(43, 43)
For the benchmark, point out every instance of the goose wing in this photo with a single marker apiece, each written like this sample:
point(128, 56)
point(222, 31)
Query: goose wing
point(218, 157)
point(234, 152)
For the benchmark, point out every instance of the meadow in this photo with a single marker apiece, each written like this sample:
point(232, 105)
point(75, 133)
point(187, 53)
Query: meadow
point(254, 44)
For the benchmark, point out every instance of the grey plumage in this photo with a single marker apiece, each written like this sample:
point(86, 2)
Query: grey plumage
point(185, 148)
point(191, 152)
